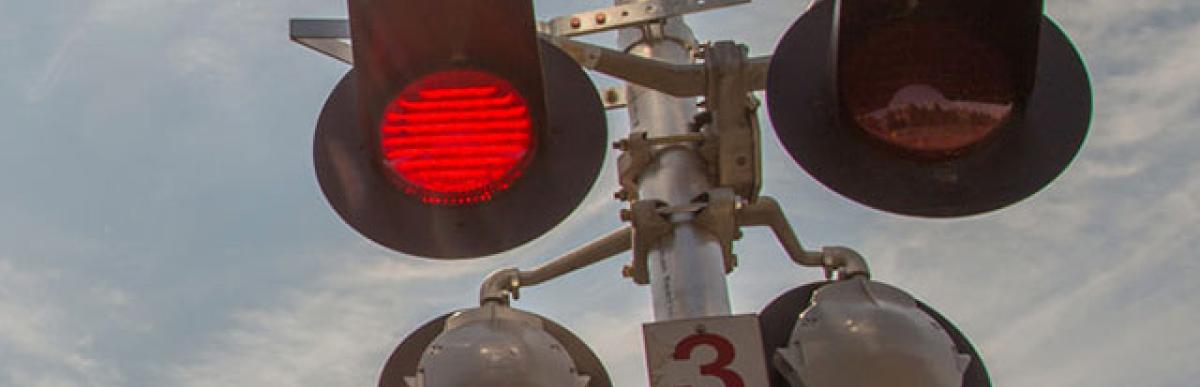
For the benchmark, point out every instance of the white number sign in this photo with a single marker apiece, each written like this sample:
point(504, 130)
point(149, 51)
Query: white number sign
point(722, 351)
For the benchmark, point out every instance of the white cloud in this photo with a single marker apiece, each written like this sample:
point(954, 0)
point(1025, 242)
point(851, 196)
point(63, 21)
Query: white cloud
point(41, 340)
point(1144, 103)
point(130, 11)
point(616, 337)
point(44, 84)
point(338, 331)
point(205, 58)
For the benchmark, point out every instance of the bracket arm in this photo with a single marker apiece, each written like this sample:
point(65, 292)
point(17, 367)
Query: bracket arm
point(767, 212)
point(331, 37)
point(628, 15)
point(680, 80)
point(755, 70)
point(326, 36)
point(504, 284)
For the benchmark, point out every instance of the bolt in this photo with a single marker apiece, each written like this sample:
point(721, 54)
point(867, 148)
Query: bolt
point(627, 271)
point(576, 23)
point(701, 48)
point(611, 96)
point(601, 18)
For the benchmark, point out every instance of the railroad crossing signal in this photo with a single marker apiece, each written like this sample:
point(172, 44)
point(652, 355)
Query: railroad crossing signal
point(445, 140)
point(933, 108)
point(441, 143)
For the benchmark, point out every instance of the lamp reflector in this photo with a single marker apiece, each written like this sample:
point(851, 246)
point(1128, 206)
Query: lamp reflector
point(457, 137)
point(926, 88)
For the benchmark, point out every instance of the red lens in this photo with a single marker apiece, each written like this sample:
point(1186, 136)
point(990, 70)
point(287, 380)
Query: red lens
point(457, 137)
point(926, 87)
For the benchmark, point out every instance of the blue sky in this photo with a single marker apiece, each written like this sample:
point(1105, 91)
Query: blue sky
point(160, 223)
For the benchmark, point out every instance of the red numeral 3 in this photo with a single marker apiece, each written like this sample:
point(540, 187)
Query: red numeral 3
point(725, 355)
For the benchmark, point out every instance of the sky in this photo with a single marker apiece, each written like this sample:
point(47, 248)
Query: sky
point(161, 224)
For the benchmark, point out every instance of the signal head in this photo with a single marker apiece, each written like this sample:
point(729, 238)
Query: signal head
point(493, 345)
point(874, 308)
point(874, 329)
point(458, 133)
point(936, 109)
point(458, 165)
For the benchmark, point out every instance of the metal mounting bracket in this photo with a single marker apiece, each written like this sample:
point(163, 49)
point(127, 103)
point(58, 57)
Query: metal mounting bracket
point(326, 36)
point(730, 137)
point(766, 212)
point(733, 118)
point(638, 152)
point(680, 80)
point(720, 212)
point(718, 217)
point(627, 15)
point(649, 226)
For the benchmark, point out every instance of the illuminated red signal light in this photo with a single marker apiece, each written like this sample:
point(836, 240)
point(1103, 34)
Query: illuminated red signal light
point(925, 87)
point(457, 137)
point(448, 142)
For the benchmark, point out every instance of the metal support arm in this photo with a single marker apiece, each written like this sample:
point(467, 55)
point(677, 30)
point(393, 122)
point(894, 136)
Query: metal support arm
point(680, 80)
point(719, 212)
point(628, 15)
point(504, 284)
point(326, 36)
point(331, 37)
point(766, 212)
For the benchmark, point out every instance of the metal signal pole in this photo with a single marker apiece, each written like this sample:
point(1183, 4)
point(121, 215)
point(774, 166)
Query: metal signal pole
point(686, 268)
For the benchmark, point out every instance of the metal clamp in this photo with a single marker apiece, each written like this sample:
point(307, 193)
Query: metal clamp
point(734, 118)
point(649, 227)
point(718, 218)
point(713, 211)
point(730, 120)
point(638, 152)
